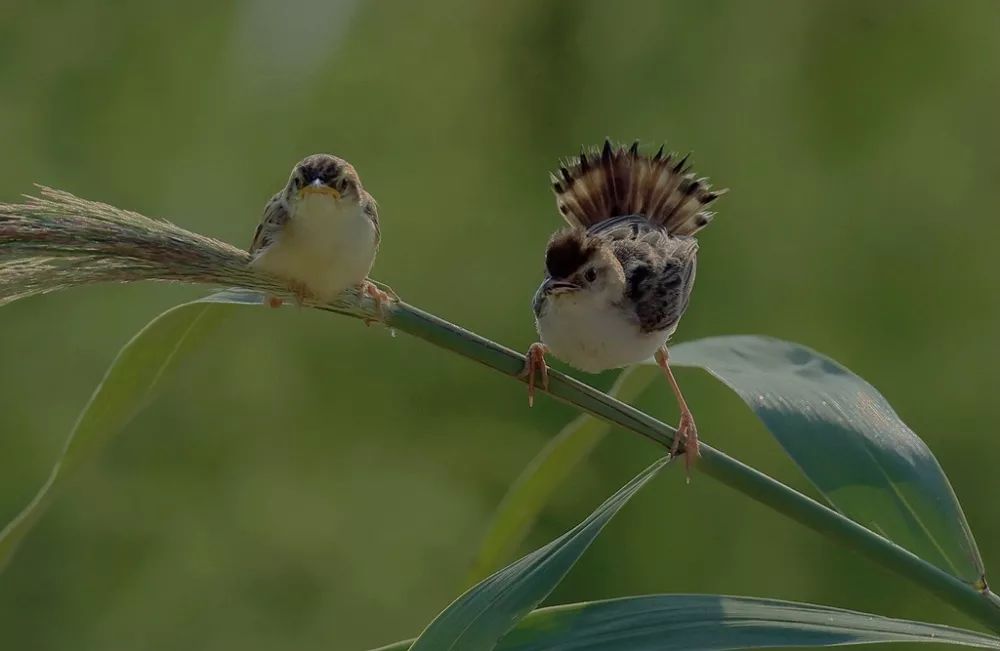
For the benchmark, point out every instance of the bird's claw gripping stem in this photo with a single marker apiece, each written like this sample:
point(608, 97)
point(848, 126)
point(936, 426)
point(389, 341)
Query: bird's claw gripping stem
point(380, 297)
point(534, 365)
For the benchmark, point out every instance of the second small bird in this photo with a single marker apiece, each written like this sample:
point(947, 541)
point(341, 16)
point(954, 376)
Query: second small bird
point(320, 233)
point(618, 279)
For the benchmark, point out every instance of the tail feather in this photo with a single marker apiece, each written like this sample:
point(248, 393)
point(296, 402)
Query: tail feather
point(617, 181)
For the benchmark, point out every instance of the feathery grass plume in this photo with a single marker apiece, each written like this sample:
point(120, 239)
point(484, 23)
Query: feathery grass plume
point(59, 240)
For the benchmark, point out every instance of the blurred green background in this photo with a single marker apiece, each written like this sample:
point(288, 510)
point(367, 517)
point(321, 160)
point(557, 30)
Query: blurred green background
point(306, 482)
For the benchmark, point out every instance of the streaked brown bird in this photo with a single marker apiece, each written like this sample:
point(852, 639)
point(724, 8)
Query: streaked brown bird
point(320, 233)
point(619, 277)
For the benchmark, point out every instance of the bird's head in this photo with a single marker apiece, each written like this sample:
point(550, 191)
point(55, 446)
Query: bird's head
point(322, 177)
point(578, 264)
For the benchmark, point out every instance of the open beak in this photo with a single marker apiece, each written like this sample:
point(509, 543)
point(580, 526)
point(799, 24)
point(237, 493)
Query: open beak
point(318, 187)
point(553, 286)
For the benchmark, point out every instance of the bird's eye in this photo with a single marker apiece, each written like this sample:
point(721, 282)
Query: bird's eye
point(590, 275)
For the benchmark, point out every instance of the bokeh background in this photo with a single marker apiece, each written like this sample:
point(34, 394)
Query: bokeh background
point(306, 482)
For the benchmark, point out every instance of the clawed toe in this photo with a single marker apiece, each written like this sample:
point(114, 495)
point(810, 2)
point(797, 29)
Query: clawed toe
point(380, 297)
point(534, 366)
point(686, 441)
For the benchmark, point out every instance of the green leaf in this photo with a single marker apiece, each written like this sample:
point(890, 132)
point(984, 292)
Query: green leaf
point(531, 491)
point(712, 623)
point(126, 388)
point(848, 441)
point(481, 616)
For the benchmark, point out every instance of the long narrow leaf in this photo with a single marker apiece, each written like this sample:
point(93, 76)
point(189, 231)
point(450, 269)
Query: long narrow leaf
point(712, 623)
point(481, 616)
point(126, 388)
point(848, 441)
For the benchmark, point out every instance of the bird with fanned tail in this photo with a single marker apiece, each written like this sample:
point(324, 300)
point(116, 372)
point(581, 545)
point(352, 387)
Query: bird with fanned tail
point(619, 277)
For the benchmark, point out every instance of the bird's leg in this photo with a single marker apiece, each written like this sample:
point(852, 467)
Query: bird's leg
point(299, 291)
point(534, 365)
point(687, 433)
point(379, 297)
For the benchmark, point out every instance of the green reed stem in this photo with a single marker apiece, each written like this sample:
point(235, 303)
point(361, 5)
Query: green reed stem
point(981, 605)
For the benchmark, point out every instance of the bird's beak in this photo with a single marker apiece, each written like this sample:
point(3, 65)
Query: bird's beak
point(553, 286)
point(318, 187)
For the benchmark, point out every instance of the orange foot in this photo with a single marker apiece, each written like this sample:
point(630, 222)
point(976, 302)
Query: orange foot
point(299, 290)
point(686, 439)
point(534, 364)
point(380, 297)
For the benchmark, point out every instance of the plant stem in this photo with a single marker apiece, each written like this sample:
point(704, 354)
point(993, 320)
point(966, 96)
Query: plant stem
point(982, 606)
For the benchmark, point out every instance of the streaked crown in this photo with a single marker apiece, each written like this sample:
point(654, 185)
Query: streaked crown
point(324, 172)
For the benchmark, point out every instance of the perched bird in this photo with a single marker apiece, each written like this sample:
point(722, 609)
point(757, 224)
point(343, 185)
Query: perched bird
point(320, 233)
point(618, 278)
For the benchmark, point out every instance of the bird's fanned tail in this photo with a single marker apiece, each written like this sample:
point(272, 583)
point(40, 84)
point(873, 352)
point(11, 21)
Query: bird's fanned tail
point(616, 181)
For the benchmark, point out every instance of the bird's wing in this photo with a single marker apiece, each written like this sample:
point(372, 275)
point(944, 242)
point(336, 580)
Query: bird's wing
point(624, 227)
point(275, 217)
point(371, 209)
point(659, 275)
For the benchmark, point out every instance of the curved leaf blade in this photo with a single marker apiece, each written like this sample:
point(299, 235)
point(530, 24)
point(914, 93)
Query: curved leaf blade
point(126, 388)
point(848, 441)
point(713, 623)
point(529, 494)
point(481, 616)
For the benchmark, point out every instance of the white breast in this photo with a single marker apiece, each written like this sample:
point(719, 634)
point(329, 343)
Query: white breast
point(327, 245)
point(593, 335)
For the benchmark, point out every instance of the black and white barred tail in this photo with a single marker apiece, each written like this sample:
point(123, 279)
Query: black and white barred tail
point(616, 181)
